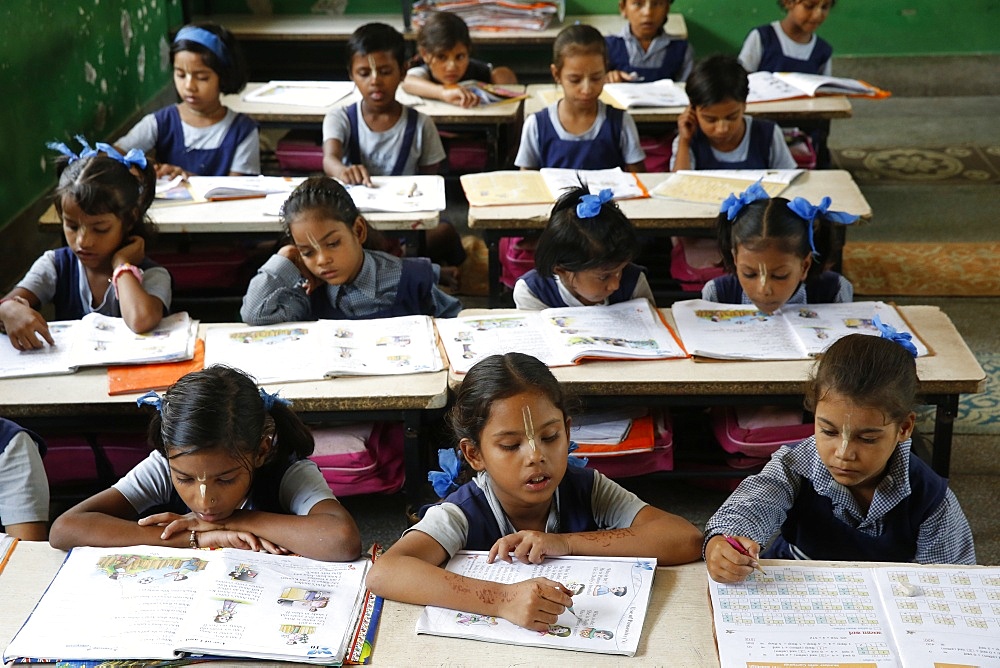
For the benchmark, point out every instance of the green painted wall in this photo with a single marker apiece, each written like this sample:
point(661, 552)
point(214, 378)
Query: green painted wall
point(68, 68)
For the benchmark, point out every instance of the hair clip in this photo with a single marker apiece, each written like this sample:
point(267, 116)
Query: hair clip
point(580, 462)
point(206, 38)
point(270, 399)
point(445, 481)
point(805, 210)
point(733, 204)
point(889, 332)
point(151, 398)
point(590, 205)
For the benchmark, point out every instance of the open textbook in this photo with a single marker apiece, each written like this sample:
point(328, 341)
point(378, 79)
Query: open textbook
point(768, 86)
point(216, 188)
point(393, 194)
point(661, 93)
point(489, 93)
point(100, 340)
point(561, 336)
point(320, 349)
point(796, 331)
point(610, 597)
point(881, 617)
point(149, 602)
point(545, 185)
point(713, 186)
point(301, 93)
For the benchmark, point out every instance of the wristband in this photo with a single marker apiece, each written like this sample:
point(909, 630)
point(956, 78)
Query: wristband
point(193, 540)
point(121, 269)
point(16, 298)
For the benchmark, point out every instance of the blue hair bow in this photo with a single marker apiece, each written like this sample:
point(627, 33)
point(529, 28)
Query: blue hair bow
point(590, 205)
point(805, 210)
point(133, 157)
point(733, 204)
point(151, 399)
point(579, 462)
point(889, 332)
point(445, 481)
point(270, 399)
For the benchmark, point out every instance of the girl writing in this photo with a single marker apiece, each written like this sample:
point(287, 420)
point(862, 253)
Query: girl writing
point(229, 469)
point(444, 45)
point(854, 491)
point(200, 135)
point(777, 251)
point(326, 271)
point(524, 503)
point(102, 198)
point(584, 256)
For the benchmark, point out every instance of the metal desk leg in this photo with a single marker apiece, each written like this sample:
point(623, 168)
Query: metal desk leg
point(944, 419)
point(493, 245)
point(415, 460)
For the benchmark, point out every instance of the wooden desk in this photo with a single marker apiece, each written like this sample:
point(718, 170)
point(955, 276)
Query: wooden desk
point(677, 630)
point(82, 399)
point(328, 28)
point(953, 370)
point(798, 109)
point(657, 216)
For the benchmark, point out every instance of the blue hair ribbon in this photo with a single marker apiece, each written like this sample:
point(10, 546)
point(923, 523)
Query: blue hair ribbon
point(206, 38)
point(887, 331)
point(733, 204)
point(133, 157)
point(590, 205)
point(445, 481)
point(805, 210)
point(580, 462)
point(151, 398)
point(270, 399)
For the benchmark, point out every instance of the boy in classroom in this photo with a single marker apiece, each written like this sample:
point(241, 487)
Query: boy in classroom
point(791, 45)
point(854, 491)
point(199, 135)
point(643, 51)
point(229, 468)
point(327, 272)
point(102, 198)
point(584, 256)
point(511, 421)
point(378, 136)
point(445, 46)
point(24, 488)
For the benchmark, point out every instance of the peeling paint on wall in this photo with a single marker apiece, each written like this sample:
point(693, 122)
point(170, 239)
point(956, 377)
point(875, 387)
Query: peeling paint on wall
point(127, 34)
point(89, 73)
point(140, 63)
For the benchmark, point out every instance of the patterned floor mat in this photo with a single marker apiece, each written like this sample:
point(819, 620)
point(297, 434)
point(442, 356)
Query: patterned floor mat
point(945, 165)
point(977, 413)
point(923, 269)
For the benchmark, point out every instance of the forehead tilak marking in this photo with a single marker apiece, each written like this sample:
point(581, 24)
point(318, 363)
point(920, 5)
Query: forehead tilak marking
point(529, 427)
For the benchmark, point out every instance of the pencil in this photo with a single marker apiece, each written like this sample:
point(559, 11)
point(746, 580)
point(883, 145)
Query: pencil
point(738, 546)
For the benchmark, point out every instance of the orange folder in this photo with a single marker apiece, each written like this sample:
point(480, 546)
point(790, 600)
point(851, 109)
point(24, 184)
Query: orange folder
point(144, 377)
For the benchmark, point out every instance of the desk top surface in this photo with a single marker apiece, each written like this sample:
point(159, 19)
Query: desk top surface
point(800, 108)
point(327, 27)
point(85, 393)
point(952, 369)
point(654, 212)
point(441, 112)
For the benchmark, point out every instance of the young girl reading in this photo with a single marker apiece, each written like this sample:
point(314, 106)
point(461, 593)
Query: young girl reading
point(584, 256)
point(714, 133)
point(777, 252)
point(327, 273)
point(229, 469)
point(102, 198)
point(854, 491)
point(444, 45)
point(643, 51)
point(524, 503)
point(199, 135)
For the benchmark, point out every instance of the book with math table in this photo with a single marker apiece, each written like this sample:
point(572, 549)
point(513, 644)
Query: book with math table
point(146, 602)
point(544, 186)
point(796, 331)
point(713, 186)
point(299, 351)
point(610, 598)
point(886, 616)
point(100, 340)
point(630, 330)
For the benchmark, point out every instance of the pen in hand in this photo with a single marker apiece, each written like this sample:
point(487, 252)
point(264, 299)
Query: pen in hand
point(738, 546)
point(570, 607)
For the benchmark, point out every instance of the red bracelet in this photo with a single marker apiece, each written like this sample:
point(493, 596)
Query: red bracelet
point(16, 298)
point(121, 269)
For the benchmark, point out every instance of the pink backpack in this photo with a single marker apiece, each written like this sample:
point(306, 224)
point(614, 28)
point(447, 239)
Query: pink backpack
point(694, 262)
point(659, 458)
point(517, 258)
point(91, 461)
point(363, 458)
point(757, 431)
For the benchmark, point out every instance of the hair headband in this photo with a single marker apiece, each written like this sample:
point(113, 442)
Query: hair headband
point(206, 38)
point(271, 399)
point(805, 210)
point(134, 157)
point(590, 205)
point(889, 332)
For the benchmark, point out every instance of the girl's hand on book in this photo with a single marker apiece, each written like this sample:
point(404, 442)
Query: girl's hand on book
point(725, 563)
point(534, 604)
point(163, 170)
point(618, 76)
point(457, 95)
point(241, 540)
point(354, 175)
point(24, 325)
point(531, 547)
